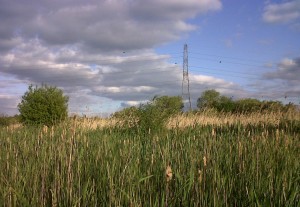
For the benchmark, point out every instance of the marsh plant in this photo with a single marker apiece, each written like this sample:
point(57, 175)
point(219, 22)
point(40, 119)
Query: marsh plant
point(228, 164)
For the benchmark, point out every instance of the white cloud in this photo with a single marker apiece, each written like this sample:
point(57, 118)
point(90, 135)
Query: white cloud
point(78, 46)
point(282, 12)
point(284, 79)
point(287, 69)
point(87, 77)
point(109, 25)
point(8, 104)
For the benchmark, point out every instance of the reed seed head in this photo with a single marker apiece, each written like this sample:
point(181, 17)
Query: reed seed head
point(169, 173)
point(200, 176)
point(204, 161)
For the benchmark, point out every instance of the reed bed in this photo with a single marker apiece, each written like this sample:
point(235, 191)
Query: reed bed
point(221, 119)
point(91, 123)
point(201, 165)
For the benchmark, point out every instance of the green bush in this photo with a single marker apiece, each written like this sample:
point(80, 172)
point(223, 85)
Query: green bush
point(213, 100)
point(151, 115)
point(4, 120)
point(209, 99)
point(45, 105)
point(248, 105)
point(225, 104)
point(128, 116)
point(8, 120)
point(154, 114)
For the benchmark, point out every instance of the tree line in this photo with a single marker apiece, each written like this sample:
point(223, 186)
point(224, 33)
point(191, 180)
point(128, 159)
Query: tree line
point(212, 99)
point(47, 105)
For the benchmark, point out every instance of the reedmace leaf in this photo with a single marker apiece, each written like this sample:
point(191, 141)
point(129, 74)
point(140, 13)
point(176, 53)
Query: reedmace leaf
point(145, 178)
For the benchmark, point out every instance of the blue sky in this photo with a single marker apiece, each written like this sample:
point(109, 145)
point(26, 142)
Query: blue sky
point(110, 54)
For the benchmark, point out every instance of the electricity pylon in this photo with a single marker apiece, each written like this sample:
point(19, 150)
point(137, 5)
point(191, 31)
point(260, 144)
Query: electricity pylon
point(186, 97)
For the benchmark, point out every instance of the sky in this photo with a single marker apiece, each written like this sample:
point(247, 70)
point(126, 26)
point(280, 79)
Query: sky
point(110, 54)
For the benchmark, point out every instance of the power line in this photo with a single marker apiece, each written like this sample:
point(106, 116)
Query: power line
point(230, 62)
point(142, 71)
point(224, 74)
point(63, 78)
point(228, 57)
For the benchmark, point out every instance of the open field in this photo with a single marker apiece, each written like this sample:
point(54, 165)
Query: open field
point(198, 160)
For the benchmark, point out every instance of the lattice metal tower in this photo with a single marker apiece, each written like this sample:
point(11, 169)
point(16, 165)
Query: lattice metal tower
point(186, 97)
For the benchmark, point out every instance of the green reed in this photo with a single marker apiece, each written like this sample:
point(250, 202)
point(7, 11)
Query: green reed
point(230, 165)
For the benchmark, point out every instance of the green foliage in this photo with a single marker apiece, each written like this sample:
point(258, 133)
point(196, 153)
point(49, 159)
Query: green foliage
point(129, 116)
point(290, 107)
point(43, 105)
point(168, 105)
point(4, 120)
point(126, 113)
point(213, 100)
point(247, 105)
point(225, 104)
point(208, 99)
point(154, 114)
point(236, 165)
point(151, 115)
point(8, 120)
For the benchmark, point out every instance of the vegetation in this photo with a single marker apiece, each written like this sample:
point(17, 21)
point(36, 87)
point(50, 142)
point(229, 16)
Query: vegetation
point(44, 105)
point(160, 157)
point(9, 120)
point(203, 165)
point(211, 99)
point(153, 114)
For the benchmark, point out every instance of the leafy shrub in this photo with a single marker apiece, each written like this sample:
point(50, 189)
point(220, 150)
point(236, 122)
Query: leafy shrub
point(209, 99)
point(225, 104)
point(247, 105)
point(8, 120)
point(128, 116)
point(43, 105)
point(4, 120)
point(213, 100)
point(151, 115)
point(154, 114)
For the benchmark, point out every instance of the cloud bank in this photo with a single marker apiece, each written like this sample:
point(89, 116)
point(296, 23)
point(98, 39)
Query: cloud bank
point(109, 25)
point(282, 12)
point(102, 53)
point(94, 50)
point(287, 73)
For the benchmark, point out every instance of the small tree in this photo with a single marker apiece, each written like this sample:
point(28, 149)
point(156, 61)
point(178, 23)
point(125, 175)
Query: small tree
point(155, 113)
point(248, 105)
point(129, 116)
point(168, 105)
point(43, 105)
point(208, 99)
point(225, 104)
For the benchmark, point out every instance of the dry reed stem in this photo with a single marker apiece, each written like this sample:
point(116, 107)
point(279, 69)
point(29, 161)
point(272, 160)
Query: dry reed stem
point(94, 123)
point(13, 127)
point(203, 119)
point(169, 176)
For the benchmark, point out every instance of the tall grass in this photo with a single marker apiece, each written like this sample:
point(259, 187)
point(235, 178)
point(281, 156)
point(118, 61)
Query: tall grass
point(200, 165)
point(220, 119)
